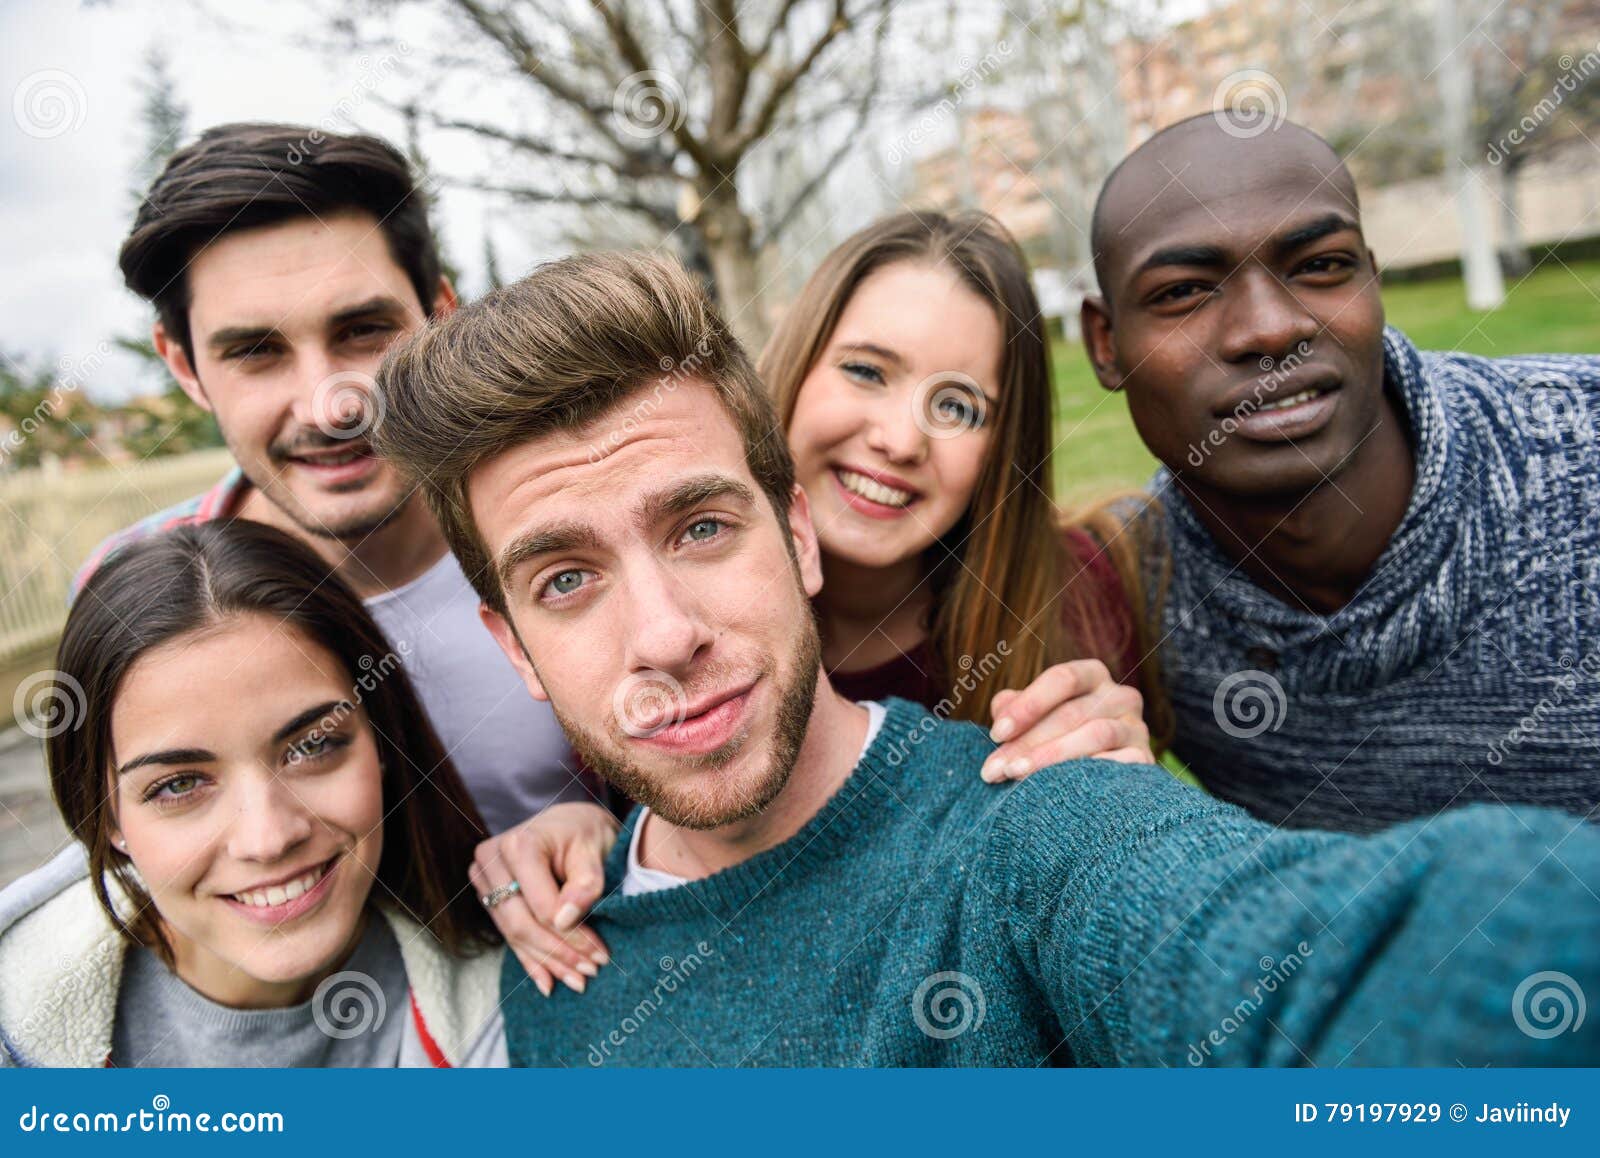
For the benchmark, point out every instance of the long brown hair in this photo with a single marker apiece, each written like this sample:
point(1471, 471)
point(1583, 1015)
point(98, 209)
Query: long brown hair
point(1000, 574)
point(170, 584)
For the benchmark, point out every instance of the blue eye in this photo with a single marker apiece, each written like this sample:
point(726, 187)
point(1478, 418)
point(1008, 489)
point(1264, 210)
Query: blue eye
point(565, 582)
point(702, 529)
point(863, 371)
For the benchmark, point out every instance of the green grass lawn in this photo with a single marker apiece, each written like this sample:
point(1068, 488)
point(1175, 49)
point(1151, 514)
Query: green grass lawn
point(1554, 310)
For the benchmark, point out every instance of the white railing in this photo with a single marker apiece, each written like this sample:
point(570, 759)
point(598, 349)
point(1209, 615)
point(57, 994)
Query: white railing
point(52, 519)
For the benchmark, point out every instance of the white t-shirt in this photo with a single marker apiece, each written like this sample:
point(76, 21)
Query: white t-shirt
point(639, 879)
point(507, 745)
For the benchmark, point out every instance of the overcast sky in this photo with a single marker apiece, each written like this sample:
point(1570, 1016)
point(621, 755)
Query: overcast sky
point(73, 141)
point(66, 164)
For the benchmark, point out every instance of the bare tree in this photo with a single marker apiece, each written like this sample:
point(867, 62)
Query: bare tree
point(651, 112)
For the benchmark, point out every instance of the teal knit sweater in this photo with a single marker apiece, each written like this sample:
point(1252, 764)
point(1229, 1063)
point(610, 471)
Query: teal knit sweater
point(1094, 914)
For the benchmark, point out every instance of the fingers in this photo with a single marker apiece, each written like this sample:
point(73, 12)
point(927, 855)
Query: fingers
point(1106, 701)
point(1054, 686)
point(538, 948)
point(1123, 738)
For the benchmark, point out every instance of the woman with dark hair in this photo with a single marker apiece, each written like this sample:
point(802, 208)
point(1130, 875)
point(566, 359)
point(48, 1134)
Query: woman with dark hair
point(276, 841)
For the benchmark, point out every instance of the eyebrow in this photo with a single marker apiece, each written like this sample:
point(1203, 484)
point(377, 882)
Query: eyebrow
point(383, 305)
point(1302, 235)
point(874, 349)
point(1213, 256)
point(560, 537)
point(201, 756)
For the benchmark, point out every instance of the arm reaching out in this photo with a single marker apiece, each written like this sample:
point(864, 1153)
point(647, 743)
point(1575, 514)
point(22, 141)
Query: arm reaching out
point(1167, 928)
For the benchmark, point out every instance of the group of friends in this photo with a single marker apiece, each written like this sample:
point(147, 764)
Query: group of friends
point(881, 721)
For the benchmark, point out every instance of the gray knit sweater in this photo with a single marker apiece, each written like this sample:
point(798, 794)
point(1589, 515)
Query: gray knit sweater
point(1468, 666)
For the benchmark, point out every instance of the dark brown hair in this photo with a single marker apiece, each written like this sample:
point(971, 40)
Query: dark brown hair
point(1001, 572)
point(192, 577)
point(240, 176)
point(553, 352)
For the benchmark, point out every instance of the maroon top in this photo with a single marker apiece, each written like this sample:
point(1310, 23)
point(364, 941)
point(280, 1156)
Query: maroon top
point(914, 675)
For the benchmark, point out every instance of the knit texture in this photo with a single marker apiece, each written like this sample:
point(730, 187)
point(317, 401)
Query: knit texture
point(1095, 913)
point(1467, 668)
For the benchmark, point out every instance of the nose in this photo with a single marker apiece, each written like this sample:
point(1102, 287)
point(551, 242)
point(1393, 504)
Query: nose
point(893, 430)
point(271, 821)
point(331, 397)
point(668, 628)
point(1263, 318)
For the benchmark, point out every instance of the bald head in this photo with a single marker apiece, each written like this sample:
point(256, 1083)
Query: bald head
point(1195, 169)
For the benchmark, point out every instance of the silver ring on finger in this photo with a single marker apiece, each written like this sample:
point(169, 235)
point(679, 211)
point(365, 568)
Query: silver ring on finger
point(494, 896)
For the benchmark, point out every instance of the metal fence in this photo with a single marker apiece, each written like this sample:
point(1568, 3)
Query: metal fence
point(52, 519)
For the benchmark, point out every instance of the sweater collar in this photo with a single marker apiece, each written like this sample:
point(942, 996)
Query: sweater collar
point(855, 810)
point(1424, 560)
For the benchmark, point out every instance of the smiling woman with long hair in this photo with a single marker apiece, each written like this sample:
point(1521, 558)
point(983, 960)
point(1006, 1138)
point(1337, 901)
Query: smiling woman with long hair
point(913, 378)
point(276, 843)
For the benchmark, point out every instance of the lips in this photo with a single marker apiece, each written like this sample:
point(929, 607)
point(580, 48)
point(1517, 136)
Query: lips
point(336, 464)
point(1291, 408)
point(272, 903)
point(707, 724)
point(874, 493)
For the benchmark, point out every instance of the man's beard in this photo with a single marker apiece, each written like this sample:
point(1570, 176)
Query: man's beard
point(699, 810)
point(350, 531)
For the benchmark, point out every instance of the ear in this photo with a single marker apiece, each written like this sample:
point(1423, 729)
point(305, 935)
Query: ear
point(1094, 318)
point(804, 535)
point(511, 643)
point(177, 360)
point(444, 298)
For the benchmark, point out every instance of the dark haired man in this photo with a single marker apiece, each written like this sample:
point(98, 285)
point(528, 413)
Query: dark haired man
point(812, 881)
point(1385, 564)
point(283, 262)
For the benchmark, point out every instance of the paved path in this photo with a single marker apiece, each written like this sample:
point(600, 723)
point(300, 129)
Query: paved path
point(30, 828)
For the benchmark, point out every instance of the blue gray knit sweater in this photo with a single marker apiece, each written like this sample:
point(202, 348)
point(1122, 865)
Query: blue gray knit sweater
point(1095, 913)
point(1468, 666)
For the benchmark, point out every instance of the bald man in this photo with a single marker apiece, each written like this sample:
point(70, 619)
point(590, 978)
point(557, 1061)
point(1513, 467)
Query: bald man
point(1385, 566)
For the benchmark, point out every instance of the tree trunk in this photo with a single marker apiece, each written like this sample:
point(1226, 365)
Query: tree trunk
point(729, 243)
point(1514, 257)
